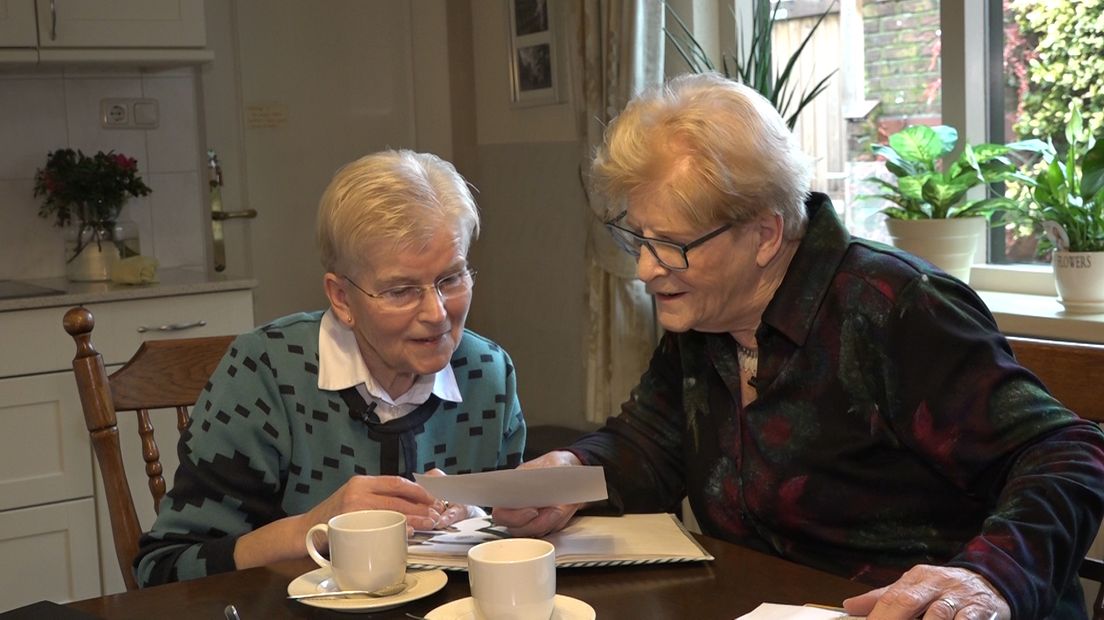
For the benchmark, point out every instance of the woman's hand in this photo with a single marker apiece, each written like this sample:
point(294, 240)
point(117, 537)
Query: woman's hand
point(450, 513)
point(932, 593)
point(286, 538)
point(379, 493)
point(536, 522)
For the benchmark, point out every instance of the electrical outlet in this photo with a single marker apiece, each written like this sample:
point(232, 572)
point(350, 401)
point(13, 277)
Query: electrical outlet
point(114, 113)
point(129, 113)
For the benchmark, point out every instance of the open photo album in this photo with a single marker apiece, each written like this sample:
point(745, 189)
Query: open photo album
point(586, 541)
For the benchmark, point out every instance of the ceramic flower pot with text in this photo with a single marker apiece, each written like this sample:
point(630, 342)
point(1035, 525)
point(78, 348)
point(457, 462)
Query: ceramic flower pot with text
point(1079, 277)
point(931, 215)
point(85, 196)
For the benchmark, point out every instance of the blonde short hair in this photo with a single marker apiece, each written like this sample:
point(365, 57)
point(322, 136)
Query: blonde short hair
point(396, 197)
point(716, 147)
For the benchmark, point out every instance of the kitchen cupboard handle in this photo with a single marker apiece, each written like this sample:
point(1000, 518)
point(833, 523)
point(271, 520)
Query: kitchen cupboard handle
point(171, 327)
point(53, 21)
point(245, 214)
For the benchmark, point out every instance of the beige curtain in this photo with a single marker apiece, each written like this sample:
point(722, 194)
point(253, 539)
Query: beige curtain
point(617, 52)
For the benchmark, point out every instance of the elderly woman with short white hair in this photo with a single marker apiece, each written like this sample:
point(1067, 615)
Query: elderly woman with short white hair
point(827, 399)
point(322, 413)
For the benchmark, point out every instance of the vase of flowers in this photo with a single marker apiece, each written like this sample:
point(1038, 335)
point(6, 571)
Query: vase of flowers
point(85, 195)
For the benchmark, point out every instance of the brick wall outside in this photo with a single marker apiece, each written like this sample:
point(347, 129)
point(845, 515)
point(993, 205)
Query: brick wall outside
point(900, 38)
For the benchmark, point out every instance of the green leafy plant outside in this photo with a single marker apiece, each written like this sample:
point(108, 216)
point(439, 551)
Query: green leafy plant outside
point(755, 68)
point(88, 189)
point(1067, 66)
point(929, 187)
point(1069, 191)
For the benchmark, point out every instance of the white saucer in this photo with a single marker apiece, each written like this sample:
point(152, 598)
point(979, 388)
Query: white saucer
point(419, 584)
point(567, 608)
point(1083, 307)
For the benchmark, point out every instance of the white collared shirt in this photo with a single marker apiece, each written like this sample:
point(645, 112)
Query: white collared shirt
point(340, 366)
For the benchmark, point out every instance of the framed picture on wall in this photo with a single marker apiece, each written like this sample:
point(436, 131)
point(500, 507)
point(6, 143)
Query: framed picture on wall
point(533, 77)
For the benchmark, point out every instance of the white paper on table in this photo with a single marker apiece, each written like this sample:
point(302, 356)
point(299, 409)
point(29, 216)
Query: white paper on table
point(519, 488)
point(774, 611)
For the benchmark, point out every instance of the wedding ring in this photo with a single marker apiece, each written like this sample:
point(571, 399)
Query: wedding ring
point(950, 603)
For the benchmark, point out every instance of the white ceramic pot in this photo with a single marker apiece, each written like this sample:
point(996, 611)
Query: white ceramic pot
point(949, 244)
point(1079, 277)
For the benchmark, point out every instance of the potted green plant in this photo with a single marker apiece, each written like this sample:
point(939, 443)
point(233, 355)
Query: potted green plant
point(931, 214)
point(1066, 201)
point(85, 195)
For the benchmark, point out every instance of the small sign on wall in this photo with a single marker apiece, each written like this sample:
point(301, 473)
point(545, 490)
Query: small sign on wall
point(533, 76)
point(265, 115)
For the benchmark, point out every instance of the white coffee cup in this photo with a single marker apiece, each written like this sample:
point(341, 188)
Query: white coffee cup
point(367, 548)
point(513, 579)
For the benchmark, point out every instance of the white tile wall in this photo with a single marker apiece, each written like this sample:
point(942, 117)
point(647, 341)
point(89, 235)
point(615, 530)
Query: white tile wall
point(40, 112)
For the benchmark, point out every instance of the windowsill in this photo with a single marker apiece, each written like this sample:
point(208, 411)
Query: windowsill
point(1041, 316)
point(1025, 303)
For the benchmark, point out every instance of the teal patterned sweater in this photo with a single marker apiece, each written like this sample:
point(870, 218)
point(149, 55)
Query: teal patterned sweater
point(892, 427)
point(264, 443)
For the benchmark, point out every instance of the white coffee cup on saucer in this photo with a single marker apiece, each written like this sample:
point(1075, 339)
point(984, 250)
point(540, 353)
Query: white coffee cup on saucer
point(367, 548)
point(513, 579)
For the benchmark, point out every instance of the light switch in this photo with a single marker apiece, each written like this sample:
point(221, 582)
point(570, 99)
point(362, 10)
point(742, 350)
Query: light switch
point(146, 113)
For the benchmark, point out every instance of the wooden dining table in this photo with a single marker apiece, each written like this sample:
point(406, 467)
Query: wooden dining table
point(736, 582)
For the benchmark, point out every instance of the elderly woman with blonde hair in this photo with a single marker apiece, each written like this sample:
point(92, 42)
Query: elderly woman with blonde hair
point(322, 413)
point(824, 398)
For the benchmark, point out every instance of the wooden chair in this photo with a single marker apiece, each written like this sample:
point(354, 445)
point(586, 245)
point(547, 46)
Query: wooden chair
point(1074, 374)
point(162, 374)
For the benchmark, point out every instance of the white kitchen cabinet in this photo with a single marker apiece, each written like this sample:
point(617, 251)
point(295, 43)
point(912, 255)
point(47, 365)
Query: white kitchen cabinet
point(140, 32)
point(43, 446)
point(17, 23)
point(18, 32)
point(48, 553)
point(55, 535)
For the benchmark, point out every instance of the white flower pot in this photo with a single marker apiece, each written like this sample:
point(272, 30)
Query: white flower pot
point(1079, 277)
point(949, 244)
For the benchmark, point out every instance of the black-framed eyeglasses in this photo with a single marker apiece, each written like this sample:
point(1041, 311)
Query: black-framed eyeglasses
point(409, 296)
point(669, 254)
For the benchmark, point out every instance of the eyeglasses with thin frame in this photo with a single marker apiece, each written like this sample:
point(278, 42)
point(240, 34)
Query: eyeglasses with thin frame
point(669, 254)
point(409, 296)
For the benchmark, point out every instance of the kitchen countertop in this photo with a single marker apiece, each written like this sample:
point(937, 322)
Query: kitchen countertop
point(178, 281)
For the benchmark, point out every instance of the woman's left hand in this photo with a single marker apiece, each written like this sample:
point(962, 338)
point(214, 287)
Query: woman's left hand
point(450, 513)
point(932, 593)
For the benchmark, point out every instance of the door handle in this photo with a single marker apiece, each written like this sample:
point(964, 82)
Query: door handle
point(218, 215)
point(244, 214)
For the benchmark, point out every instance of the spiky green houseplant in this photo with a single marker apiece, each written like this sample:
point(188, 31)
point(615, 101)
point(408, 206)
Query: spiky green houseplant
point(754, 67)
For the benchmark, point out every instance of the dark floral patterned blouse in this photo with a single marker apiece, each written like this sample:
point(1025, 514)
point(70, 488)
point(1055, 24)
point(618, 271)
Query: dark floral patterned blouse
point(892, 427)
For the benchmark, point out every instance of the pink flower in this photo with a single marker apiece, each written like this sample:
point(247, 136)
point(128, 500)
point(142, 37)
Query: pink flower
point(126, 163)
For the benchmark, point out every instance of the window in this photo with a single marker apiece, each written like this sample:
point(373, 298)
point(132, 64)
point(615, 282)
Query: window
point(964, 64)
